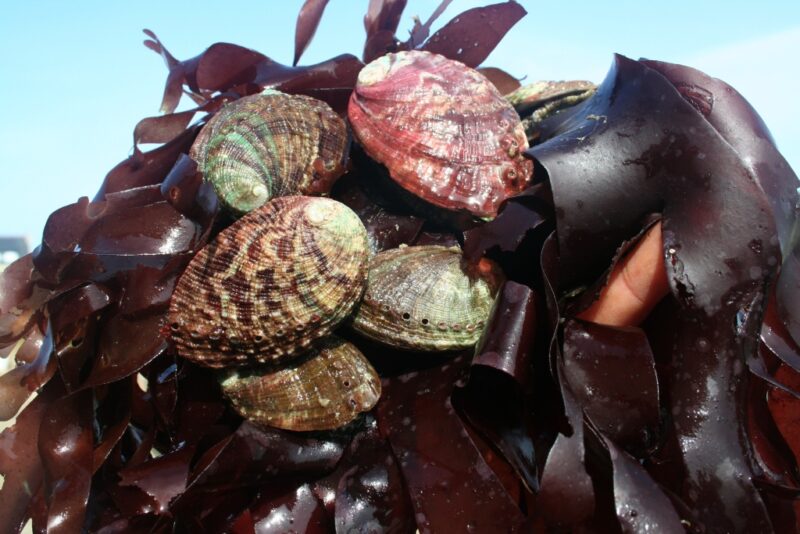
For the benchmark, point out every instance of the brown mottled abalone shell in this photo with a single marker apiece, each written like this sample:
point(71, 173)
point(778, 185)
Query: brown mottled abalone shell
point(270, 145)
point(325, 390)
point(270, 284)
point(422, 298)
point(442, 130)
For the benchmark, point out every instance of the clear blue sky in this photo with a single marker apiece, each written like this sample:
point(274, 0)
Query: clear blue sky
point(76, 78)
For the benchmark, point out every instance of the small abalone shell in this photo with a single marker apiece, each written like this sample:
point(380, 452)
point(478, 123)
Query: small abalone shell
point(270, 145)
point(422, 298)
point(442, 130)
point(270, 284)
point(324, 390)
point(540, 100)
point(550, 95)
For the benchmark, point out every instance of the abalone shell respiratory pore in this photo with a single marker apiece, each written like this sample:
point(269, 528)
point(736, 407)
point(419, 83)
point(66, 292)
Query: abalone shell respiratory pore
point(324, 390)
point(442, 130)
point(271, 284)
point(270, 145)
point(422, 298)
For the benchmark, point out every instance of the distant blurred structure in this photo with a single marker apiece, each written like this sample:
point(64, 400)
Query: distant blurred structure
point(11, 249)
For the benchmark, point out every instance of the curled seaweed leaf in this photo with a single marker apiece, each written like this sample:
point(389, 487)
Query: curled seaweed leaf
point(65, 448)
point(494, 398)
point(161, 129)
point(504, 82)
point(717, 259)
point(565, 478)
point(421, 30)
point(224, 67)
point(380, 22)
point(612, 374)
point(641, 505)
point(20, 299)
point(430, 443)
point(19, 383)
point(20, 463)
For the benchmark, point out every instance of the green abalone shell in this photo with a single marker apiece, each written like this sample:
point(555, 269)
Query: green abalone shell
point(423, 298)
point(326, 389)
point(270, 145)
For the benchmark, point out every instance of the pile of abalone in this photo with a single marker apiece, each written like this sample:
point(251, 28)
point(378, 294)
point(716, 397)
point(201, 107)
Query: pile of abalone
point(352, 297)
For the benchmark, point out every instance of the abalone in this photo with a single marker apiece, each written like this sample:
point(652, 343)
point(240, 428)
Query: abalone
point(442, 130)
point(270, 145)
point(424, 298)
point(271, 284)
point(326, 389)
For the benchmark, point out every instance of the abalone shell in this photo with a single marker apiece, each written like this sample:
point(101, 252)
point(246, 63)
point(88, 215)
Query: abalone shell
point(271, 284)
point(442, 130)
point(270, 145)
point(324, 390)
point(424, 298)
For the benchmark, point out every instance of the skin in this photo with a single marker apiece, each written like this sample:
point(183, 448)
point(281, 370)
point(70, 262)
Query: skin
point(637, 283)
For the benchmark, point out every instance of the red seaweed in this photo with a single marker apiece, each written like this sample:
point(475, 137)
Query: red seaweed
point(471, 36)
point(65, 449)
point(612, 374)
point(307, 22)
point(451, 486)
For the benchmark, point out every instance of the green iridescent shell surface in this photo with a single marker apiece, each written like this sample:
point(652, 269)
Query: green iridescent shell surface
point(270, 145)
point(324, 390)
point(271, 284)
point(422, 298)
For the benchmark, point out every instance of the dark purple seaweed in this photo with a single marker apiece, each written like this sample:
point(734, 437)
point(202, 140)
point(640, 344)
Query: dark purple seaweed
point(307, 22)
point(65, 449)
point(494, 398)
point(451, 486)
point(471, 36)
point(380, 22)
point(641, 505)
point(368, 492)
point(658, 149)
point(612, 374)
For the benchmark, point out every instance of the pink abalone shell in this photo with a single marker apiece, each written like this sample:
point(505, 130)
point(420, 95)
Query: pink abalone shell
point(442, 129)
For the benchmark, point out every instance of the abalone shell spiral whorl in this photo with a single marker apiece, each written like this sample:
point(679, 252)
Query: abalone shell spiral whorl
point(442, 130)
point(422, 298)
point(324, 390)
point(270, 145)
point(272, 283)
